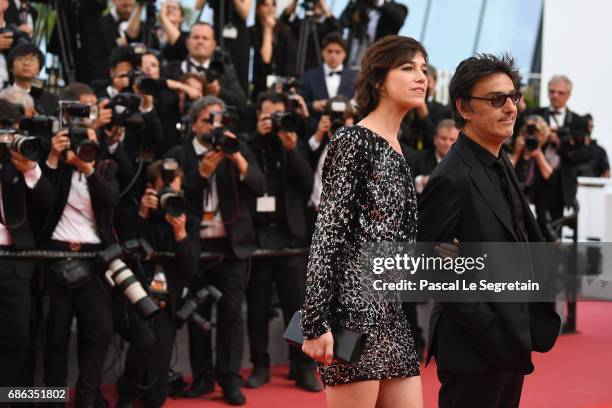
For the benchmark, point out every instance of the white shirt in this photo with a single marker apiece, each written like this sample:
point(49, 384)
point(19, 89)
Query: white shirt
point(31, 178)
point(30, 20)
point(317, 187)
point(332, 81)
point(4, 74)
point(214, 228)
point(556, 121)
point(193, 65)
point(419, 181)
point(78, 222)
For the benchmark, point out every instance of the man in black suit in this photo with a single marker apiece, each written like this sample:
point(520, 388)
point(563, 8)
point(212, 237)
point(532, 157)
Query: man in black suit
point(424, 161)
point(436, 110)
point(329, 80)
point(280, 223)
point(201, 46)
point(219, 187)
point(25, 61)
point(24, 191)
point(78, 220)
point(483, 349)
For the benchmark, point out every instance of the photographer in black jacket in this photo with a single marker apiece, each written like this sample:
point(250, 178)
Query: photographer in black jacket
point(78, 220)
point(23, 191)
point(222, 178)
point(280, 223)
point(148, 358)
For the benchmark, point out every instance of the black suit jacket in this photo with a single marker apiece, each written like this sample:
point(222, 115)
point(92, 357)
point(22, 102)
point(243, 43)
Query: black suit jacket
point(314, 87)
point(425, 162)
point(103, 190)
point(392, 17)
point(234, 194)
point(20, 203)
point(460, 202)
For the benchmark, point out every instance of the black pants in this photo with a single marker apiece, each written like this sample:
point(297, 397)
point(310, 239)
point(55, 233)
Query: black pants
point(230, 276)
point(289, 276)
point(91, 305)
point(493, 389)
point(14, 323)
point(147, 361)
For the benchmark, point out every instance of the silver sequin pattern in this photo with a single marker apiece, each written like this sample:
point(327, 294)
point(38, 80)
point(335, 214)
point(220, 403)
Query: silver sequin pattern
point(368, 196)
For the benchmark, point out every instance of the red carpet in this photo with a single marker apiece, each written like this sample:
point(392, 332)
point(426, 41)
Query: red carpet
point(577, 373)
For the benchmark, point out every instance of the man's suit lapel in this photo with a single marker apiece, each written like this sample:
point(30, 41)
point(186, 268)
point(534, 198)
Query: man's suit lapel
point(345, 85)
point(483, 185)
point(320, 80)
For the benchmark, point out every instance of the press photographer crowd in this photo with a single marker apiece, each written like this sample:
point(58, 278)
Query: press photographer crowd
point(150, 137)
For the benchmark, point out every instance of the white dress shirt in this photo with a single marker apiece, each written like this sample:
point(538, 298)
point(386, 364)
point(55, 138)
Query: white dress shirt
point(556, 121)
point(332, 82)
point(193, 65)
point(78, 222)
point(31, 178)
point(315, 196)
point(214, 228)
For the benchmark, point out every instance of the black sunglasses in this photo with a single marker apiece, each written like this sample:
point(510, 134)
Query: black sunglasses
point(499, 100)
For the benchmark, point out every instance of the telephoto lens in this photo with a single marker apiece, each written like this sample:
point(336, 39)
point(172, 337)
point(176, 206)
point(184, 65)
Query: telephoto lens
point(120, 275)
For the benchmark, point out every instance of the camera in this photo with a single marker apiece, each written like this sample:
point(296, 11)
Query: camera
point(28, 146)
point(120, 275)
point(285, 121)
point(43, 126)
point(78, 116)
point(214, 71)
point(188, 310)
point(86, 149)
point(126, 110)
point(19, 37)
point(336, 110)
point(170, 200)
point(217, 137)
point(531, 138)
point(148, 86)
point(308, 6)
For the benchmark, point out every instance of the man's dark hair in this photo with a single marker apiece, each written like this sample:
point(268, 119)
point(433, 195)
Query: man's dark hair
point(333, 38)
point(273, 97)
point(473, 69)
point(123, 54)
point(23, 50)
point(74, 91)
point(381, 57)
point(154, 170)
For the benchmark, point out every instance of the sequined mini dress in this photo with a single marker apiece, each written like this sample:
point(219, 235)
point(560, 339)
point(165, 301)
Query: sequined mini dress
point(368, 196)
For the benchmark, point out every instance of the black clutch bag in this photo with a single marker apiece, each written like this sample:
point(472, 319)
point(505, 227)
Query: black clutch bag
point(348, 344)
point(72, 274)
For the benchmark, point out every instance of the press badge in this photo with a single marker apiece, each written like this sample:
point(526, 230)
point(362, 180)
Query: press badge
point(230, 32)
point(266, 204)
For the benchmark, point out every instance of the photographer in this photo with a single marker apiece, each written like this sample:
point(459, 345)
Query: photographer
point(369, 21)
point(599, 165)
point(280, 223)
point(214, 66)
point(147, 361)
point(222, 178)
point(10, 36)
point(78, 220)
point(21, 99)
point(24, 191)
point(273, 47)
point(323, 20)
point(169, 38)
point(25, 62)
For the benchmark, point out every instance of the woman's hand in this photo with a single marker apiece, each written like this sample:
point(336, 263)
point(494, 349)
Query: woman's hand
point(320, 349)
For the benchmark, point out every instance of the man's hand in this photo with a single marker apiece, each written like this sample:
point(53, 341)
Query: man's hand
point(320, 349)
point(209, 163)
point(148, 202)
point(178, 226)
point(59, 143)
point(213, 88)
point(26, 28)
point(264, 125)
point(104, 115)
point(237, 158)
point(6, 40)
point(319, 105)
point(21, 163)
point(288, 139)
point(114, 134)
point(302, 109)
point(324, 128)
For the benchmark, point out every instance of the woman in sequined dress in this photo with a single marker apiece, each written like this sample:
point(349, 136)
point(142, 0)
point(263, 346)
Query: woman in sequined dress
point(368, 196)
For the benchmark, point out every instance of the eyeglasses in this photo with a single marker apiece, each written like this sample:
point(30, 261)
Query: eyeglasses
point(499, 100)
point(27, 58)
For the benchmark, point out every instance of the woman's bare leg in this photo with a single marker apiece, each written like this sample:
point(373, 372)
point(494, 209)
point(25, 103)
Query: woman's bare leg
point(360, 394)
point(405, 392)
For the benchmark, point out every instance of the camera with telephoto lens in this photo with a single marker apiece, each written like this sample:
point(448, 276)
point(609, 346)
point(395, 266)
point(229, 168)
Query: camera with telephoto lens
point(531, 137)
point(148, 86)
point(43, 126)
point(188, 311)
point(78, 116)
point(217, 137)
point(126, 110)
point(336, 110)
point(19, 37)
point(289, 86)
point(120, 275)
point(285, 121)
point(308, 6)
point(170, 200)
point(215, 70)
point(29, 147)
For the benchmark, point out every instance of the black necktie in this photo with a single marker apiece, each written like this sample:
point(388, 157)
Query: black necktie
point(332, 73)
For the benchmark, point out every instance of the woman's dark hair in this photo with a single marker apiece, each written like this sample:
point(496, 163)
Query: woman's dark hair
point(382, 56)
point(473, 69)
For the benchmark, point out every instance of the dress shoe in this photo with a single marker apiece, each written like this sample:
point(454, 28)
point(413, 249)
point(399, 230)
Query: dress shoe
point(199, 388)
point(306, 380)
point(292, 371)
point(234, 396)
point(259, 376)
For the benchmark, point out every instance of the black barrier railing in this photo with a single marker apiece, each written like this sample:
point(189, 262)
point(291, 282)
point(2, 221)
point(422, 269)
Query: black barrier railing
point(42, 255)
